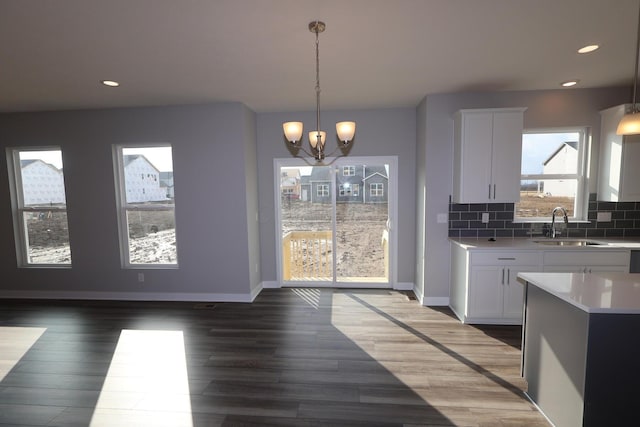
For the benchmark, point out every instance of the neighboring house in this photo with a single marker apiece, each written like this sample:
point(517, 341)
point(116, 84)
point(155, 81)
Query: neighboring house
point(562, 161)
point(166, 181)
point(305, 188)
point(376, 183)
point(42, 183)
point(143, 180)
point(354, 184)
point(290, 183)
point(320, 185)
point(362, 184)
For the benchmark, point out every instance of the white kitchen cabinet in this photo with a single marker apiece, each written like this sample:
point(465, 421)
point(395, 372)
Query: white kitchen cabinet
point(485, 288)
point(586, 262)
point(618, 174)
point(487, 155)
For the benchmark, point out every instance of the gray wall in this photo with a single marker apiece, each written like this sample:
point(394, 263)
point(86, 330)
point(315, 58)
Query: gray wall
point(555, 108)
point(388, 132)
point(223, 161)
point(216, 197)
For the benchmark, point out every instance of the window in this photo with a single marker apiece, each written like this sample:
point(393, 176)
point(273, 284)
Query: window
point(146, 208)
point(376, 189)
point(349, 189)
point(553, 165)
point(348, 170)
point(39, 206)
point(323, 190)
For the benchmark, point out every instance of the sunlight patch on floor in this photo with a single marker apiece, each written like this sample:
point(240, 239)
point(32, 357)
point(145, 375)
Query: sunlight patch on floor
point(147, 382)
point(14, 344)
point(309, 295)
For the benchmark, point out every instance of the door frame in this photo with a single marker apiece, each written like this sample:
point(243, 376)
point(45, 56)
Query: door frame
point(392, 206)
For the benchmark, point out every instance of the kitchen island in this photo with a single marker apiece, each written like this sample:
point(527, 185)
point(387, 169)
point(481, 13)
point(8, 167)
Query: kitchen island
point(581, 347)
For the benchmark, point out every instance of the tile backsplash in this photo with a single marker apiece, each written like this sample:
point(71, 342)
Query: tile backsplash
point(465, 221)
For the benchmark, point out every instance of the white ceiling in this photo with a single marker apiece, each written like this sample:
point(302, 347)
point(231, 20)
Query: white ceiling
point(373, 54)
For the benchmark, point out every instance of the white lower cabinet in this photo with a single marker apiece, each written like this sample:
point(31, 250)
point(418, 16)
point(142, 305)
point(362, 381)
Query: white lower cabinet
point(586, 262)
point(485, 286)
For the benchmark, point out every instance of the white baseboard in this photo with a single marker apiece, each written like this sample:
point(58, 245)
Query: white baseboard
point(403, 286)
point(256, 291)
point(418, 293)
point(131, 296)
point(436, 301)
point(270, 285)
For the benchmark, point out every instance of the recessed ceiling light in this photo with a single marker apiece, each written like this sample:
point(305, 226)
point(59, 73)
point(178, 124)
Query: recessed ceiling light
point(589, 48)
point(110, 83)
point(569, 83)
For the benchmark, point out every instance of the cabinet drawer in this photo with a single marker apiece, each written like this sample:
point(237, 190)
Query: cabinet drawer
point(605, 257)
point(505, 258)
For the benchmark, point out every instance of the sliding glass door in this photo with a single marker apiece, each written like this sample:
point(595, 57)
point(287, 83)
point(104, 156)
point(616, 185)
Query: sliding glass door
point(334, 222)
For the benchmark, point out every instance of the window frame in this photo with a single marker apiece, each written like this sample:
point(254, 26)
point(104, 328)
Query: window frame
point(348, 171)
point(123, 208)
point(322, 190)
point(347, 189)
point(376, 189)
point(581, 202)
point(20, 228)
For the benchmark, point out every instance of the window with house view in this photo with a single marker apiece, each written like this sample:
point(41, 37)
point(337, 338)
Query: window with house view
point(376, 189)
point(40, 207)
point(146, 205)
point(553, 165)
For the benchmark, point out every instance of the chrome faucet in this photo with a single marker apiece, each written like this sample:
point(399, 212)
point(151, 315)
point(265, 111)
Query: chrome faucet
point(554, 232)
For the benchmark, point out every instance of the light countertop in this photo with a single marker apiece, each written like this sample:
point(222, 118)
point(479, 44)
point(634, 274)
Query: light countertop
point(609, 293)
point(533, 243)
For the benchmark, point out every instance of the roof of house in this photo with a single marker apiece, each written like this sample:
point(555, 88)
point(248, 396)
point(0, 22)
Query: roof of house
point(26, 162)
point(130, 158)
point(572, 144)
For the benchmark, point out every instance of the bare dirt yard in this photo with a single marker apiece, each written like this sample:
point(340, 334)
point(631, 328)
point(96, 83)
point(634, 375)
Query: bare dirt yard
point(359, 236)
point(533, 205)
point(359, 231)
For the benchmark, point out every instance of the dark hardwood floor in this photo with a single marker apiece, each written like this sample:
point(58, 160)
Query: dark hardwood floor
point(295, 357)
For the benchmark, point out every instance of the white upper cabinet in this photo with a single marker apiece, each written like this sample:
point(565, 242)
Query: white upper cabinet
point(487, 155)
point(619, 174)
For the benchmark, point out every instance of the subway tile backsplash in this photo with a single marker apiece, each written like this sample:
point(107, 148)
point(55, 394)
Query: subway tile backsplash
point(465, 221)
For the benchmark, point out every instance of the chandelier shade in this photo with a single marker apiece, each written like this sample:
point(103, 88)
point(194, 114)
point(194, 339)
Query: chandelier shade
point(317, 138)
point(346, 131)
point(292, 131)
point(313, 138)
point(630, 122)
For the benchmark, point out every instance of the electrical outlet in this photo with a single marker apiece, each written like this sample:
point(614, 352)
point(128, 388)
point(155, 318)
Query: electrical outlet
point(141, 277)
point(442, 218)
point(485, 217)
point(604, 217)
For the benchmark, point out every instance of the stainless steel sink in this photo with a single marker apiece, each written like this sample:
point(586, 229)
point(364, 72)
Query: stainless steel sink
point(555, 242)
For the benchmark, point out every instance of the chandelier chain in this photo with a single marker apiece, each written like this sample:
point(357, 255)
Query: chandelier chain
point(317, 31)
point(634, 108)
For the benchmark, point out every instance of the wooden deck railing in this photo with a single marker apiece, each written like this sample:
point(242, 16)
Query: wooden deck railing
point(307, 255)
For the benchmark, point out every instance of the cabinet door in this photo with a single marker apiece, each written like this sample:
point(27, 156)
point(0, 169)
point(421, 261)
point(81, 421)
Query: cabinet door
point(475, 165)
point(618, 174)
point(514, 292)
point(586, 269)
point(564, 268)
point(630, 179)
point(506, 156)
point(606, 268)
point(485, 291)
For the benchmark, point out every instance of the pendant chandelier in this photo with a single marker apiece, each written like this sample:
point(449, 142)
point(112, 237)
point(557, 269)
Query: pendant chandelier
point(293, 131)
point(630, 123)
